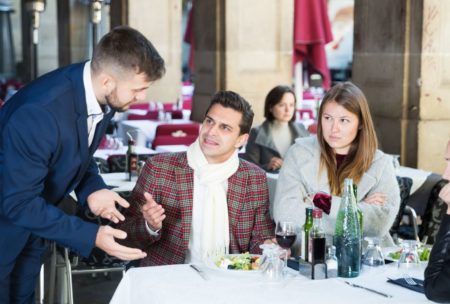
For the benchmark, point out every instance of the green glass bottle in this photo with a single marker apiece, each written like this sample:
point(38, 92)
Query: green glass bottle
point(347, 236)
point(305, 234)
point(358, 210)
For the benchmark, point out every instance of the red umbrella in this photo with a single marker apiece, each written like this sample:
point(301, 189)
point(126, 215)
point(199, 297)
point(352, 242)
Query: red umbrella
point(189, 37)
point(312, 31)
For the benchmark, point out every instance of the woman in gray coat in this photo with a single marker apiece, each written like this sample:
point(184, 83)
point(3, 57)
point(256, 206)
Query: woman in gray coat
point(269, 142)
point(345, 146)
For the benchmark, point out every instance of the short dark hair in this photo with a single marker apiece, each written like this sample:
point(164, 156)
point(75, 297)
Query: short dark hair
point(274, 97)
point(128, 49)
point(230, 99)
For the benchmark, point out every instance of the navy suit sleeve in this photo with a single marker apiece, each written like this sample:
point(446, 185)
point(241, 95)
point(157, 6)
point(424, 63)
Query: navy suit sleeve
point(90, 183)
point(30, 139)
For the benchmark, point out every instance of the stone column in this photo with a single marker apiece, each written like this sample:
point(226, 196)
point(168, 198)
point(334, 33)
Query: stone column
point(434, 124)
point(400, 55)
point(244, 46)
point(160, 22)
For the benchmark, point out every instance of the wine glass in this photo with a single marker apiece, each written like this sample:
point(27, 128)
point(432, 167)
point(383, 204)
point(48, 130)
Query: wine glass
point(285, 233)
point(409, 261)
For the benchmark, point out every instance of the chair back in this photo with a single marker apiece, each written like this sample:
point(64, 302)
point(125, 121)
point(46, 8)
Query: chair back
point(176, 114)
point(150, 115)
point(302, 112)
point(176, 134)
point(434, 213)
point(312, 129)
point(169, 129)
point(140, 106)
point(405, 184)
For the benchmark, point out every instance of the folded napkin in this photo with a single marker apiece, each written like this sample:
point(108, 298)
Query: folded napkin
point(402, 282)
point(322, 201)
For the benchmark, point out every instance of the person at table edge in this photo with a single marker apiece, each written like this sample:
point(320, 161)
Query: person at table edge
point(49, 131)
point(191, 205)
point(437, 273)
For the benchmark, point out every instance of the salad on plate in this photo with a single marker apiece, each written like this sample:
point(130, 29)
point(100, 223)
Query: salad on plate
point(244, 261)
point(423, 252)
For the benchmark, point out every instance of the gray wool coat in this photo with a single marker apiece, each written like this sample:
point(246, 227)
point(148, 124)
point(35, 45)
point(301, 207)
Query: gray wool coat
point(300, 175)
point(261, 148)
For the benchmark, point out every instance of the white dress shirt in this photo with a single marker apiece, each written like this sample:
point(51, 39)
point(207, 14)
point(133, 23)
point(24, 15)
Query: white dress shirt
point(94, 111)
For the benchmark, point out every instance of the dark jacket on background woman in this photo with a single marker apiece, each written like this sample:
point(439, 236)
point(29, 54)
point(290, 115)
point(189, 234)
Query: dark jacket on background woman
point(261, 148)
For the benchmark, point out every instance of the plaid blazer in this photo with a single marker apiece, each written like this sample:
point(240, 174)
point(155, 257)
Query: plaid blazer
point(170, 180)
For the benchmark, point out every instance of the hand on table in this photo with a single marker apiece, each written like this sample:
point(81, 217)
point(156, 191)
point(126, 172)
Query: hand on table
point(153, 212)
point(274, 241)
point(275, 163)
point(105, 240)
point(103, 203)
point(376, 198)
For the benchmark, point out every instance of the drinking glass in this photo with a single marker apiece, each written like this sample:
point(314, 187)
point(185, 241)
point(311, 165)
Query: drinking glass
point(373, 255)
point(409, 261)
point(286, 234)
point(272, 266)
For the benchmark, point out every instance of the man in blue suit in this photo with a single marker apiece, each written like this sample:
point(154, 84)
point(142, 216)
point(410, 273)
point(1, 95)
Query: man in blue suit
point(49, 131)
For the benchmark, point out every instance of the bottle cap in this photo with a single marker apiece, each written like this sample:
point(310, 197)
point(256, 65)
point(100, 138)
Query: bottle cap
point(317, 213)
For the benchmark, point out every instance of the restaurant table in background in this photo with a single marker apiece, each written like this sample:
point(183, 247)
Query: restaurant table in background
point(181, 284)
point(119, 181)
point(171, 148)
point(143, 131)
point(105, 153)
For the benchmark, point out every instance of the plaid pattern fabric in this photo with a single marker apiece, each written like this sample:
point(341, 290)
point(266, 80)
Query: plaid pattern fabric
point(170, 180)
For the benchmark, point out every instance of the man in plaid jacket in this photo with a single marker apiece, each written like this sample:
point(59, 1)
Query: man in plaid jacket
point(206, 201)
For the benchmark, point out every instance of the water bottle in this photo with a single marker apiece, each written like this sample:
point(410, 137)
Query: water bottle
point(347, 236)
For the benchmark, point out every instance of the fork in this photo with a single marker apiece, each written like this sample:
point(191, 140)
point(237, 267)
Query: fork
point(410, 281)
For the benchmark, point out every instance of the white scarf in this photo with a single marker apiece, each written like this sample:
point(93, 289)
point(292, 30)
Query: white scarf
point(215, 235)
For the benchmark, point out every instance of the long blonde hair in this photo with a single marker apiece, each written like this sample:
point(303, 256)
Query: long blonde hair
point(362, 149)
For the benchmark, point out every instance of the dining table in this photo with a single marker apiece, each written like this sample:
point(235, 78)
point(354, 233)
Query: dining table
point(183, 284)
point(118, 181)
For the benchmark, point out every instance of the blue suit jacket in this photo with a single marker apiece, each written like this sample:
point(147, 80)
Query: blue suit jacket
point(44, 155)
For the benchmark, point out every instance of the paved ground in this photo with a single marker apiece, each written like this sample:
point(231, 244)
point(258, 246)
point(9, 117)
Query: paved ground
point(91, 290)
point(98, 290)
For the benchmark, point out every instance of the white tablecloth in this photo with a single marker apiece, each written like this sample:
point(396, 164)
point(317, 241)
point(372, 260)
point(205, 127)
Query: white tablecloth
point(181, 284)
point(171, 148)
point(104, 153)
point(119, 181)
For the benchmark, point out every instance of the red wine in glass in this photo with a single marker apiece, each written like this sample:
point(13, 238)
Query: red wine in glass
point(286, 239)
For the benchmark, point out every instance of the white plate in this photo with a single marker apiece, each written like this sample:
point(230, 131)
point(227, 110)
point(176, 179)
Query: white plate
point(211, 264)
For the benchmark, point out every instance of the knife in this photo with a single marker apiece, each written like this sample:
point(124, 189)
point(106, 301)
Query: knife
point(200, 272)
point(369, 289)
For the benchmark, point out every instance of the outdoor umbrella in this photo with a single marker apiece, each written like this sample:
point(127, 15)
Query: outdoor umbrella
point(312, 31)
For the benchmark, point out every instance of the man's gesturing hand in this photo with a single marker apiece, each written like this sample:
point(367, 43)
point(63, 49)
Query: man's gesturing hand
point(153, 212)
point(106, 241)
